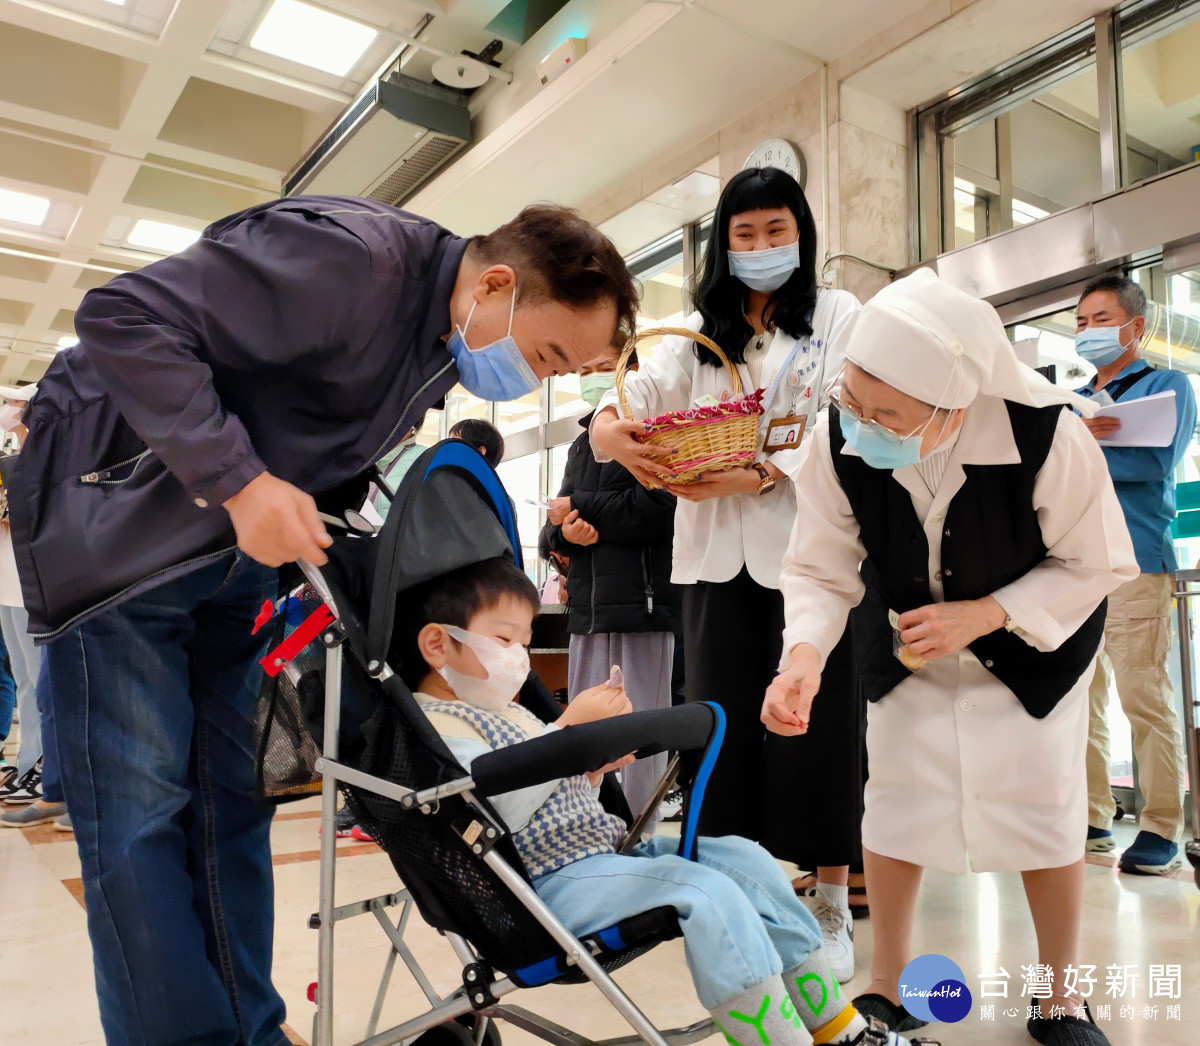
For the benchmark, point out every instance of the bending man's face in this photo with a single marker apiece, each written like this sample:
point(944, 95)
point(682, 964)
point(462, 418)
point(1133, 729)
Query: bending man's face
point(554, 338)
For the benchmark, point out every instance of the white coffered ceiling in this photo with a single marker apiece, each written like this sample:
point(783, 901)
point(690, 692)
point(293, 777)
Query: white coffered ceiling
point(123, 115)
point(157, 110)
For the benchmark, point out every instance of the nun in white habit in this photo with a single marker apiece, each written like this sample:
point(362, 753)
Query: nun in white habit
point(988, 534)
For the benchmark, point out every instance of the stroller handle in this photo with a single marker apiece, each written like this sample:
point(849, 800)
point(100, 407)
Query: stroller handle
point(312, 574)
point(589, 746)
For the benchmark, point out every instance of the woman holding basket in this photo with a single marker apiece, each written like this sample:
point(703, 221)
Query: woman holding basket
point(757, 298)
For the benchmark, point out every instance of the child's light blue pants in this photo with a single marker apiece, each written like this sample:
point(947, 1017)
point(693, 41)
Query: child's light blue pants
point(740, 918)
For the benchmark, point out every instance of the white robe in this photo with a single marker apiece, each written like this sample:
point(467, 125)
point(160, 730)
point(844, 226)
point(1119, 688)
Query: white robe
point(960, 773)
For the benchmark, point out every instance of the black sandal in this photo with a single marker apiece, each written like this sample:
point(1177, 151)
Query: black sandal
point(1067, 1030)
point(859, 908)
point(897, 1018)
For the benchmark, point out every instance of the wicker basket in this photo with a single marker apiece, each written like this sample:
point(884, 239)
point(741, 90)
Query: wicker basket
point(725, 441)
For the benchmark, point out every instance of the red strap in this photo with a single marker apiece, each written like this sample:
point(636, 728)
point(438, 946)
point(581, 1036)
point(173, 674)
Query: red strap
point(265, 613)
point(308, 630)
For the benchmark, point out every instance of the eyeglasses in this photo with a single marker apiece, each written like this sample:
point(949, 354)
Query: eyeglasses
point(834, 392)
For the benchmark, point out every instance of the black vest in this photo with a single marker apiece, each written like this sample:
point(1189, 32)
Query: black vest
point(991, 537)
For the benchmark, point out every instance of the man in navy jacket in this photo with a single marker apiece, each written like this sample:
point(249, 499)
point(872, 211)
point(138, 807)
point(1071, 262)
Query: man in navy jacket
point(177, 456)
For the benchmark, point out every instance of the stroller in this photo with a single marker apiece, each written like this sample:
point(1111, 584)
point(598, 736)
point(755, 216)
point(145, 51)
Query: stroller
point(328, 676)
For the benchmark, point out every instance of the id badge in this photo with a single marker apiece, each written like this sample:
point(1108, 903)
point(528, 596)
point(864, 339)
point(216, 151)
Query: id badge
point(784, 433)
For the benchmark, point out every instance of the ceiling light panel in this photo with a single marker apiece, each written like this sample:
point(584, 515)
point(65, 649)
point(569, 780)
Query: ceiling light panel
point(35, 216)
point(312, 36)
point(23, 208)
point(237, 37)
point(142, 16)
point(160, 237)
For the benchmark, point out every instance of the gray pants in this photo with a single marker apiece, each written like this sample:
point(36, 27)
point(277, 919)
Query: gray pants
point(645, 660)
point(26, 661)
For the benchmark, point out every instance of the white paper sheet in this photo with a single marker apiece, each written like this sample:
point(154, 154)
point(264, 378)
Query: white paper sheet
point(1148, 421)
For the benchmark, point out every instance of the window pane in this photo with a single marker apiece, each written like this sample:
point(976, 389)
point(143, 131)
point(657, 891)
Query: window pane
point(1161, 98)
point(431, 428)
point(1056, 145)
point(970, 213)
point(1045, 151)
point(662, 302)
point(461, 404)
point(521, 478)
point(1055, 337)
point(558, 465)
point(518, 415)
point(564, 397)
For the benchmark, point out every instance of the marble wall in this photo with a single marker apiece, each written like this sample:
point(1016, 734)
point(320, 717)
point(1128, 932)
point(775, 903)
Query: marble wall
point(868, 173)
point(870, 90)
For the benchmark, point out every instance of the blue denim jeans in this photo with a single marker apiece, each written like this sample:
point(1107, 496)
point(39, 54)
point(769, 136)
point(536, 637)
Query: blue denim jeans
point(154, 701)
point(52, 791)
point(741, 920)
point(8, 694)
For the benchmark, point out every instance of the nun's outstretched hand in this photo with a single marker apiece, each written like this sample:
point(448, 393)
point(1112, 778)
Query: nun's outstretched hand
point(790, 696)
point(940, 629)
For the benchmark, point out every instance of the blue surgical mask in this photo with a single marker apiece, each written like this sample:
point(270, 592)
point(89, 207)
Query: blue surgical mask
point(1100, 346)
point(766, 270)
point(877, 450)
point(497, 371)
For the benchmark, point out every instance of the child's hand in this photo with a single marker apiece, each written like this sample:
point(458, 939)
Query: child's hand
point(596, 776)
point(600, 702)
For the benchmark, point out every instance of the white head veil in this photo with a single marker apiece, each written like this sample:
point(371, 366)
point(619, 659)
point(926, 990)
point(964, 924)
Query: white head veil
point(945, 348)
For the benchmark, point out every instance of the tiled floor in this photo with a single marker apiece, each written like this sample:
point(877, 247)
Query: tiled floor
point(47, 996)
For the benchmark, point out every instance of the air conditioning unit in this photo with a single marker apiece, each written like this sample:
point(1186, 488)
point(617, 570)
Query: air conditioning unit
point(394, 137)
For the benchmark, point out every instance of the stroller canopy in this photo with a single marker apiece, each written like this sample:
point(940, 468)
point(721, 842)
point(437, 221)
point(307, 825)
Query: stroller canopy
point(450, 511)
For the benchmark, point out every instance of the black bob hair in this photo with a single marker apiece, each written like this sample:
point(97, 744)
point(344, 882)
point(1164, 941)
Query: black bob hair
point(482, 435)
point(454, 599)
point(721, 296)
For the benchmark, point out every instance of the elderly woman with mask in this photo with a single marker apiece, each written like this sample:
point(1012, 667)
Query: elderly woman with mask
point(988, 535)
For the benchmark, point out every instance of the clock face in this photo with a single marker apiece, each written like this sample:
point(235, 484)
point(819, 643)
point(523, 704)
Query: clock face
point(776, 152)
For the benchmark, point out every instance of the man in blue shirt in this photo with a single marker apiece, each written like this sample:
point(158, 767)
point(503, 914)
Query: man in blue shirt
point(1111, 318)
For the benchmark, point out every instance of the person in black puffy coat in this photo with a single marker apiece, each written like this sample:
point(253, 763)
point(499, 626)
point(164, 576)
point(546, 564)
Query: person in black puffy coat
point(622, 608)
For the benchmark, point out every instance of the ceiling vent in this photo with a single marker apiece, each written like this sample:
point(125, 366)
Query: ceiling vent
point(393, 138)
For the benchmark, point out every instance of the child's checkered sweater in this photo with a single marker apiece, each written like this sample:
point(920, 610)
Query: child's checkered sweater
point(571, 824)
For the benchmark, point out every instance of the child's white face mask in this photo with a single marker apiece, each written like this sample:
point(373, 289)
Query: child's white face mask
point(507, 669)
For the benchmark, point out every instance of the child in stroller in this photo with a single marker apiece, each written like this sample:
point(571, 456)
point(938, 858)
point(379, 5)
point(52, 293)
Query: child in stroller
point(753, 949)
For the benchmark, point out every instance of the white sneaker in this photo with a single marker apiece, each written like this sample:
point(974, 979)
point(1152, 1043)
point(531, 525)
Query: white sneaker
point(837, 931)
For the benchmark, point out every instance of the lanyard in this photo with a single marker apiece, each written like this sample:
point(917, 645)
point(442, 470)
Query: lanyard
point(769, 398)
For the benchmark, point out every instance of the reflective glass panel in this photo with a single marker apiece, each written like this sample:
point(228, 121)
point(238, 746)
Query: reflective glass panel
point(518, 415)
point(1045, 152)
point(521, 478)
point(1160, 78)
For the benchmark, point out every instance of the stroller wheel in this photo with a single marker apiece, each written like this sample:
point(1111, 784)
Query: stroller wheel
point(452, 1033)
point(491, 1036)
